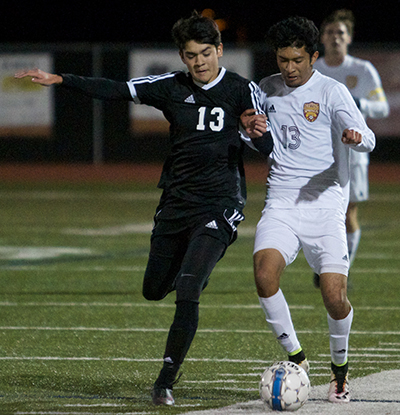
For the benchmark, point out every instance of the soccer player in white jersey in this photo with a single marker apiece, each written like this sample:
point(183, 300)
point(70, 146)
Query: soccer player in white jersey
point(364, 84)
point(315, 122)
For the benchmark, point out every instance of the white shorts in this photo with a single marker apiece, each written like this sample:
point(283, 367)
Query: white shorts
point(321, 233)
point(359, 183)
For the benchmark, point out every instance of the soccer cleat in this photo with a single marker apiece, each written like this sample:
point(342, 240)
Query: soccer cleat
point(339, 386)
point(305, 365)
point(162, 396)
point(162, 388)
point(316, 281)
point(301, 360)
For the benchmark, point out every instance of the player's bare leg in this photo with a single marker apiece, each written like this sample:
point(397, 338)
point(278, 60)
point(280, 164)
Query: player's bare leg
point(268, 267)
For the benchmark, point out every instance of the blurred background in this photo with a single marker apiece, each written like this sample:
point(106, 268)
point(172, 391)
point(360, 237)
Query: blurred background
point(121, 40)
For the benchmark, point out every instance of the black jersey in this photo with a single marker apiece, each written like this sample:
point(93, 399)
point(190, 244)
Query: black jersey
point(205, 163)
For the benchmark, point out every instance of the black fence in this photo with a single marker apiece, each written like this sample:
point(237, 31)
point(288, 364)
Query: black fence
point(88, 131)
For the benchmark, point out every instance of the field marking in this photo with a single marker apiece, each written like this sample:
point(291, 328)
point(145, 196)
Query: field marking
point(128, 359)
point(39, 252)
point(363, 355)
point(91, 405)
point(151, 195)
point(133, 228)
point(144, 195)
point(165, 305)
point(156, 330)
point(159, 359)
point(49, 267)
point(32, 257)
point(77, 413)
point(150, 305)
point(145, 228)
point(375, 349)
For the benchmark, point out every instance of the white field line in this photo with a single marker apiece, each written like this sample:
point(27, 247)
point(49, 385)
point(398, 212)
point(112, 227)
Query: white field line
point(375, 349)
point(133, 228)
point(70, 195)
point(78, 413)
point(156, 330)
point(378, 255)
point(129, 359)
point(138, 195)
point(160, 305)
point(164, 305)
point(189, 359)
point(93, 405)
point(366, 355)
point(39, 252)
point(141, 269)
point(145, 228)
point(327, 362)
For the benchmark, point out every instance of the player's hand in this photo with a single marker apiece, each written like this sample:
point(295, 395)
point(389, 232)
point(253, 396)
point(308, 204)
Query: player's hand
point(254, 124)
point(39, 77)
point(351, 137)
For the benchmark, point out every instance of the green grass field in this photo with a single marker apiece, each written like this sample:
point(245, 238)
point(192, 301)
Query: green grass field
point(77, 337)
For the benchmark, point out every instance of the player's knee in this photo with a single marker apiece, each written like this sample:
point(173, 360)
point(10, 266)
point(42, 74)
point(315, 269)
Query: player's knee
point(189, 287)
point(268, 266)
point(154, 292)
point(338, 307)
point(151, 294)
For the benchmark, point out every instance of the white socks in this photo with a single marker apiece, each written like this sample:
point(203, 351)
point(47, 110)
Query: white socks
point(353, 240)
point(278, 317)
point(339, 332)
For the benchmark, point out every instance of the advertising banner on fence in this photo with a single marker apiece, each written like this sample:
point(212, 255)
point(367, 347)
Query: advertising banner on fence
point(144, 62)
point(26, 109)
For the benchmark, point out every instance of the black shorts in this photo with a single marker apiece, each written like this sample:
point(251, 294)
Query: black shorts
point(220, 223)
point(182, 246)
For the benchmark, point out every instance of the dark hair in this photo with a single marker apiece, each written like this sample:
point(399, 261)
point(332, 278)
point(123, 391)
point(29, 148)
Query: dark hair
point(343, 16)
point(198, 28)
point(295, 32)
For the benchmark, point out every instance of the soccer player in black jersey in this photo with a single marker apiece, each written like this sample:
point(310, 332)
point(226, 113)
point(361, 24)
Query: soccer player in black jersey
point(202, 179)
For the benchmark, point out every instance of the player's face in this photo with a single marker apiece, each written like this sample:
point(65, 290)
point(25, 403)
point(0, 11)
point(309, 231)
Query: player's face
point(295, 65)
point(336, 38)
point(202, 60)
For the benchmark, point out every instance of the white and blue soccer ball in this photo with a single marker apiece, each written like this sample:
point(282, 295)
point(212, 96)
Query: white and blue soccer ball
point(284, 386)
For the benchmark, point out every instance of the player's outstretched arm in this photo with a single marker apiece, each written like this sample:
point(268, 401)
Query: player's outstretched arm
point(100, 88)
point(40, 77)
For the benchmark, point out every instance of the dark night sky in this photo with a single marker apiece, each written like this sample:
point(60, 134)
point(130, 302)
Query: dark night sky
point(151, 21)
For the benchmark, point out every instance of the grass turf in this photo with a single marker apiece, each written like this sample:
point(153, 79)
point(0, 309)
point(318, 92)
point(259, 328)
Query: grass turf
point(77, 336)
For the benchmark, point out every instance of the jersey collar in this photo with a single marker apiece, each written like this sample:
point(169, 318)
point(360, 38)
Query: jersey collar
point(221, 74)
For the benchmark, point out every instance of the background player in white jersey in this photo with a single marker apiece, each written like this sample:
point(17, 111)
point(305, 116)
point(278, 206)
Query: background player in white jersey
point(364, 84)
point(315, 122)
point(202, 180)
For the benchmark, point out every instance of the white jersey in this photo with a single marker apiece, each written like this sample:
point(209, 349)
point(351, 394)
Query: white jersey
point(309, 165)
point(364, 83)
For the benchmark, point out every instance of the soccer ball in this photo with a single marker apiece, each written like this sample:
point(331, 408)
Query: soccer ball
point(284, 386)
